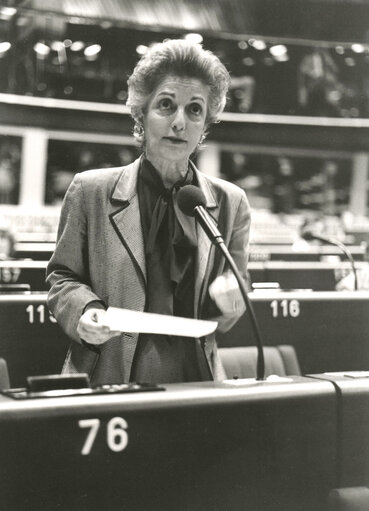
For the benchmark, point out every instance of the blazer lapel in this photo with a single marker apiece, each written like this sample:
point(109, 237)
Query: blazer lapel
point(126, 218)
point(205, 252)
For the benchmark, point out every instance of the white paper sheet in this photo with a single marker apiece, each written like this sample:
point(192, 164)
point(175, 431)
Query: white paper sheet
point(273, 378)
point(125, 320)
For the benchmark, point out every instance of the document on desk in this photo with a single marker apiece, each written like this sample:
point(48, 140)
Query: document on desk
point(125, 320)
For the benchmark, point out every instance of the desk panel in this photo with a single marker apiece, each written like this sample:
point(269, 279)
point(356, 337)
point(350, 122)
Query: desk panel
point(198, 447)
point(31, 341)
point(311, 253)
point(319, 276)
point(353, 431)
point(35, 251)
point(316, 275)
point(329, 330)
point(24, 272)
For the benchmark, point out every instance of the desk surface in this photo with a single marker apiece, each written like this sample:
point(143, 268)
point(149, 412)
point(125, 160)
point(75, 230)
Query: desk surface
point(198, 447)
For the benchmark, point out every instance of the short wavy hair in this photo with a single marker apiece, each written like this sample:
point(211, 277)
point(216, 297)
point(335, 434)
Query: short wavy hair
point(177, 57)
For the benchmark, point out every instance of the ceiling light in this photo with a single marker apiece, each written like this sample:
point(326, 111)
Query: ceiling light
point(92, 50)
point(340, 50)
point(242, 45)
point(278, 50)
point(358, 48)
point(7, 12)
point(282, 58)
point(258, 44)
point(194, 38)
point(57, 46)
point(5, 46)
point(77, 46)
point(41, 49)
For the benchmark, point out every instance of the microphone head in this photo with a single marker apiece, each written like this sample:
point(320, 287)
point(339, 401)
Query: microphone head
point(308, 235)
point(189, 197)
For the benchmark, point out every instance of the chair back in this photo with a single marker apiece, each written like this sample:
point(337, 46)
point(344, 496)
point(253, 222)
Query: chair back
point(241, 361)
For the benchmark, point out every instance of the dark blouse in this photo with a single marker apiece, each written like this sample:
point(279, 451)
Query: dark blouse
point(170, 246)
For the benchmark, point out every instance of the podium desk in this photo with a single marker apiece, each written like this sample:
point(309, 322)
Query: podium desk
point(38, 251)
point(329, 330)
point(18, 271)
point(312, 253)
point(31, 341)
point(316, 275)
point(353, 431)
point(199, 447)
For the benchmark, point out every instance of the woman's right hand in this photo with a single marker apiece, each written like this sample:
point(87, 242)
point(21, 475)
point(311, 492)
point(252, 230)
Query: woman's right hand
point(91, 328)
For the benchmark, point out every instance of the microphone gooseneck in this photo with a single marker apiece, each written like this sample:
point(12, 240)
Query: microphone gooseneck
point(192, 202)
point(309, 235)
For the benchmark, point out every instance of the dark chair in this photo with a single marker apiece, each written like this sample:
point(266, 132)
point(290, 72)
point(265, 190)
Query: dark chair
point(241, 361)
point(4, 375)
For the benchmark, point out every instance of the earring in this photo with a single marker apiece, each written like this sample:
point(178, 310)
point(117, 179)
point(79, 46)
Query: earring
point(202, 138)
point(139, 129)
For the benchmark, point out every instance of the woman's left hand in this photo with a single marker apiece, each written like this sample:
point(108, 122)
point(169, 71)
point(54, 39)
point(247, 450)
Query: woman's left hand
point(225, 292)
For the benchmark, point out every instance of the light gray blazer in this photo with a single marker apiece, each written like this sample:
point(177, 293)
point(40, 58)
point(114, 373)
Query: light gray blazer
point(100, 255)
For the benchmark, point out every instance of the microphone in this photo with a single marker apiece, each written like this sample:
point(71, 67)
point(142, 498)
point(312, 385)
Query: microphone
point(309, 235)
point(192, 202)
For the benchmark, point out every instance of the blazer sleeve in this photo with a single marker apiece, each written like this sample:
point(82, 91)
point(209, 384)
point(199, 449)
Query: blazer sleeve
point(238, 248)
point(67, 272)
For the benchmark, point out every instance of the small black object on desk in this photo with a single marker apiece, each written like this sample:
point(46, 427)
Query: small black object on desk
point(59, 385)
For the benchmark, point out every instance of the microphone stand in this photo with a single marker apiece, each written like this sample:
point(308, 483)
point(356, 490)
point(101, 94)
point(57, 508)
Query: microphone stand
point(260, 368)
point(213, 233)
point(340, 245)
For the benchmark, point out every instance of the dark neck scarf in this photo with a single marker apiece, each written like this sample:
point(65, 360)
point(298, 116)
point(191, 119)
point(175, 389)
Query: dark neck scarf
point(170, 241)
point(170, 247)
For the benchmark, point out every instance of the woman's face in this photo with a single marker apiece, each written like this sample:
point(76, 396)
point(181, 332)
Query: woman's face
point(175, 118)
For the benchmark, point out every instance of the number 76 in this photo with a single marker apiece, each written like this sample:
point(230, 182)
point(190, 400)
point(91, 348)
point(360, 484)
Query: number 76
point(116, 434)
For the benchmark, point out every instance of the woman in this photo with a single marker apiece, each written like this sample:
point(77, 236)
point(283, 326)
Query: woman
point(123, 242)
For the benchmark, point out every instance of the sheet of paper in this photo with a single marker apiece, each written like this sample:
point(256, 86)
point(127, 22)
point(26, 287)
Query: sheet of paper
point(273, 378)
point(125, 320)
point(350, 374)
